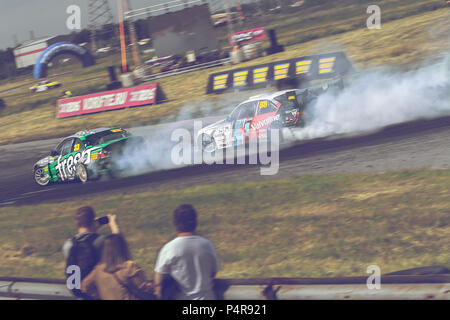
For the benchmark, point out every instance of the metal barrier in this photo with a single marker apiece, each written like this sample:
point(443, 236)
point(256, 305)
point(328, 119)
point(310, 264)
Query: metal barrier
point(192, 68)
point(393, 287)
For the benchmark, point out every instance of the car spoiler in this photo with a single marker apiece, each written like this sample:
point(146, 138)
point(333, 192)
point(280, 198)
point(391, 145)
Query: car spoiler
point(301, 96)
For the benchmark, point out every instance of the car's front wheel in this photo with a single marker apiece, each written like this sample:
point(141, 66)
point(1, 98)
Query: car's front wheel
point(41, 177)
point(207, 143)
point(82, 173)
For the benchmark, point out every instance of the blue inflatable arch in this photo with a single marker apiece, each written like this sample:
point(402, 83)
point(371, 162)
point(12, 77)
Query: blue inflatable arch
point(56, 49)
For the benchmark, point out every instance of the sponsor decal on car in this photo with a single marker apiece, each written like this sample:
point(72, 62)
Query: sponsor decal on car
point(66, 168)
point(258, 125)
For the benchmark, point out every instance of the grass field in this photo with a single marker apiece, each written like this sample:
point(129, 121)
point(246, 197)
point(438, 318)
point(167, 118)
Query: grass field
point(304, 227)
point(400, 43)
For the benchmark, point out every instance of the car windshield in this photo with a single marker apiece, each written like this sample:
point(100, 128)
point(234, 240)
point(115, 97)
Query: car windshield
point(106, 136)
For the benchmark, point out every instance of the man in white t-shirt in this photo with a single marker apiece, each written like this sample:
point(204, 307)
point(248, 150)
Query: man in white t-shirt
point(189, 259)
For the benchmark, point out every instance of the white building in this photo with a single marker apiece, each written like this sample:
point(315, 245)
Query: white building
point(28, 53)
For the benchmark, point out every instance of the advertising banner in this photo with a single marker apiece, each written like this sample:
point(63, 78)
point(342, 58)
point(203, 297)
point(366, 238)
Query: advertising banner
point(110, 100)
point(292, 71)
point(246, 36)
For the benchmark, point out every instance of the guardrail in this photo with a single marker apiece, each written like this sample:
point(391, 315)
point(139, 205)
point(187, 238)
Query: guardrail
point(393, 287)
point(192, 68)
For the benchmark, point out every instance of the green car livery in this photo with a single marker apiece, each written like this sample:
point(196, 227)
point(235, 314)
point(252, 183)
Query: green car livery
point(84, 156)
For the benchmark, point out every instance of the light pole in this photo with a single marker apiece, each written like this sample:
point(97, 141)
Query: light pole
point(229, 22)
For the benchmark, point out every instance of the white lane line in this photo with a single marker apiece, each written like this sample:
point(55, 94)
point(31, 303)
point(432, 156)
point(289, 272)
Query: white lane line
point(24, 196)
point(7, 203)
point(45, 190)
point(13, 199)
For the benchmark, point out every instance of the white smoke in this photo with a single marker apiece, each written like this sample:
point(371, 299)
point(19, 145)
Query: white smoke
point(155, 154)
point(377, 99)
point(372, 100)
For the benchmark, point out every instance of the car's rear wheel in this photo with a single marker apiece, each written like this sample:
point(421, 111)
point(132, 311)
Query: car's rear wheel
point(41, 177)
point(275, 126)
point(82, 173)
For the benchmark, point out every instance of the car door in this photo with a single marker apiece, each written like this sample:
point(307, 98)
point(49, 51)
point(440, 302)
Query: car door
point(265, 114)
point(241, 127)
point(63, 166)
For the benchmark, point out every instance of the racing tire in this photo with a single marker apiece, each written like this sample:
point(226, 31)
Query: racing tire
point(115, 172)
point(275, 126)
point(93, 176)
point(82, 173)
point(41, 177)
point(207, 147)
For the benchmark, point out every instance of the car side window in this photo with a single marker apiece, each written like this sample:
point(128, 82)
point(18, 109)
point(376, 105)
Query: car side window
point(266, 106)
point(66, 147)
point(78, 145)
point(59, 147)
point(247, 110)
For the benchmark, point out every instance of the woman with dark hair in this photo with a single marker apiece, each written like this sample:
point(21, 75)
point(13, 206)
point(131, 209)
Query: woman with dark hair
point(117, 277)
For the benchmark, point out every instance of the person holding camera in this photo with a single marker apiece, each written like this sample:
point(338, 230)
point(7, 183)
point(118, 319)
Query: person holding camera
point(117, 277)
point(84, 249)
point(189, 261)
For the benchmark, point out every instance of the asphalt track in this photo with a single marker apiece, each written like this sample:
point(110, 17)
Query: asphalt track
point(412, 145)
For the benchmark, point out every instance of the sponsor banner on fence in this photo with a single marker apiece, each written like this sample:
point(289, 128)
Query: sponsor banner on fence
point(313, 67)
point(110, 100)
point(246, 36)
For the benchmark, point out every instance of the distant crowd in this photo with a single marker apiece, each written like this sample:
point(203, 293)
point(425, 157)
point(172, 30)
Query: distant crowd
point(185, 267)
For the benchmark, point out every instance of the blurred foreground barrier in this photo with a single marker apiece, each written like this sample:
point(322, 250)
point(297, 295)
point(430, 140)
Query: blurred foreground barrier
point(393, 287)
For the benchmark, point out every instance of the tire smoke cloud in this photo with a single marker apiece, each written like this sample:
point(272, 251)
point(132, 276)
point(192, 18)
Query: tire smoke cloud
point(376, 99)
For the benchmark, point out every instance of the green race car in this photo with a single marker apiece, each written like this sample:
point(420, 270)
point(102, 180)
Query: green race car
point(86, 155)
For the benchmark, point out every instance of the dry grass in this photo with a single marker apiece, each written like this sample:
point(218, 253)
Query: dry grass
point(304, 227)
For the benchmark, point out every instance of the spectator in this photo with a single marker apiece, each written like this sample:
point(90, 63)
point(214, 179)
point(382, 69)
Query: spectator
point(84, 249)
point(66, 94)
point(116, 277)
point(188, 259)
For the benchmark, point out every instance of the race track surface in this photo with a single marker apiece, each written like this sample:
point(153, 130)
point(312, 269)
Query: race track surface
point(413, 145)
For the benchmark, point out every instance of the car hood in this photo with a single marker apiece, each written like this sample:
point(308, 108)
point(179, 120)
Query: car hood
point(208, 129)
point(45, 161)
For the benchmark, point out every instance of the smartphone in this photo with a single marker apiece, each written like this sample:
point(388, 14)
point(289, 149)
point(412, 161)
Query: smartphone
point(103, 220)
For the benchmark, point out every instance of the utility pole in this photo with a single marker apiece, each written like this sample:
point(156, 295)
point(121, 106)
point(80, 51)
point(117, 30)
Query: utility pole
point(241, 14)
point(134, 44)
point(100, 14)
point(123, 50)
point(227, 11)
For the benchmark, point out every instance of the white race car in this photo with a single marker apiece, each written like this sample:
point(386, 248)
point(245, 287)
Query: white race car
point(254, 117)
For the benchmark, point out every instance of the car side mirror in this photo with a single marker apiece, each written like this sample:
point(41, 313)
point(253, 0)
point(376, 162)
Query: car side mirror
point(53, 153)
